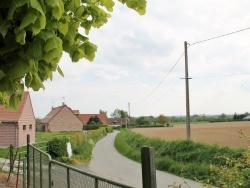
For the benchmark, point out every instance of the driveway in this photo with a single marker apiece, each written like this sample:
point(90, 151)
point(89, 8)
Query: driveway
point(107, 162)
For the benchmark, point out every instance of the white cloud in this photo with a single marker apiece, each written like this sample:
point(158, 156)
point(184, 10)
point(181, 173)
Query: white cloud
point(136, 52)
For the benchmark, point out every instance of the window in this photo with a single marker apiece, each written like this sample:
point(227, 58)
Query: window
point(30, 126)
point(24, 127)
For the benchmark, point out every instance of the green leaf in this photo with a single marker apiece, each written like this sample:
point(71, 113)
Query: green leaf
point(13, 102)
point(108, 4)
point(51, 44)
point(53, 24)
point(137, 5)
point(46, 34)
point(14, 5)
point(82, 38)
point(28, 19)
point(89, 49)
point(63, 28)
point(36, 5)
point(28, 79)
point(53, 3)
point(38, 25)
point(4, 26)
point(21, 36)
point(87, 25)
point(20, 87)
point(18, 69)
point(35, 50)
point(52, 54)
point(73, 5)
point(7, 49)
point(60, 71)
point(58, 10)
point(36, 83)
point(79, 11)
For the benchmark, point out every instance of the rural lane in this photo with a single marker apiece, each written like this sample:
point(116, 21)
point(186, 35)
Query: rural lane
point(110, 164)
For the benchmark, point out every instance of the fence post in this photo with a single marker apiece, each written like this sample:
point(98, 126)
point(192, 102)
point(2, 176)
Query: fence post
point(148, 167)
point(28, 161)
point(96, 182)
point(11, 157)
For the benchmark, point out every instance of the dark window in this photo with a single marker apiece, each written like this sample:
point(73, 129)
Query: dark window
point(30, 126)
point(24, 127)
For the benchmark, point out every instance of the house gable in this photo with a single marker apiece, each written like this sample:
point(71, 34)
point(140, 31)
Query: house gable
point(62, 118)
point(12, 130)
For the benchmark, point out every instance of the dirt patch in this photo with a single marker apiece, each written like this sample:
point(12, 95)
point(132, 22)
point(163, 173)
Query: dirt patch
point(223, 134)
point(12, 181)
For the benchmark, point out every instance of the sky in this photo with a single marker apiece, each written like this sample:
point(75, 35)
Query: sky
point(140, 62)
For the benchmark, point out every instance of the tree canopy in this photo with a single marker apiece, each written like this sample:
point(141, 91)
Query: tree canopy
point(119, 114)
point(35, 33)
point(162, 119)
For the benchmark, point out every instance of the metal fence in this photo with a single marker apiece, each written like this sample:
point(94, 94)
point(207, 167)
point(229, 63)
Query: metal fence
point(43, 172)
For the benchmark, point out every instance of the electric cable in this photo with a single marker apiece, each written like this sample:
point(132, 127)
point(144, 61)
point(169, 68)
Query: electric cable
point(161, 80)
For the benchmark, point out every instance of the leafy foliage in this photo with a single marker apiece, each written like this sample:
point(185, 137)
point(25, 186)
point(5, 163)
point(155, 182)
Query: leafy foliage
point(162, 119)
point(58, 148)
point(119, 114)
point(35, 33)
point(94, 121)
point(143, 121)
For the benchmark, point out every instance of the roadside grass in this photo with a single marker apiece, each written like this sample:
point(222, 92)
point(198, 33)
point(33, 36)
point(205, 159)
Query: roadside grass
point(188, 159)
point(82, 147)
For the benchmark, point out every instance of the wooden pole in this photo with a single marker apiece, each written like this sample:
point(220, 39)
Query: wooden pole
point(187, 92)
point(148, 167)
point(28, 161)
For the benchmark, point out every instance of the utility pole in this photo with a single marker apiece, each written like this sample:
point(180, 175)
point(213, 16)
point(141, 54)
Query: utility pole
point(129, 112)
point(187, 92)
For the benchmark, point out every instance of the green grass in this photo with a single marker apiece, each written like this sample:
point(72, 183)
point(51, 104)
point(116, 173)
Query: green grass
point(183, 158)
point(81, 148)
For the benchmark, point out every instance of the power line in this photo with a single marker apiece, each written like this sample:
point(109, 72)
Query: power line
point(161, 80)
point(159, 98)
point(221, 75)
point(231, 33)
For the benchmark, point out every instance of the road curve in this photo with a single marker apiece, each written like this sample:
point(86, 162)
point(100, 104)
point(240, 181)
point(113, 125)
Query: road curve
point(107, 162)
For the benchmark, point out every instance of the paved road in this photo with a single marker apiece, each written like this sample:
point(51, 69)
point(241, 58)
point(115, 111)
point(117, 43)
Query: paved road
point(107, 162)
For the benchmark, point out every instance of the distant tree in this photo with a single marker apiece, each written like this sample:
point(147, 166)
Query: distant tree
point(38, 121)
point(240, 116)
point(94, 120)
point(162, 119)
point(119, 114)
point(143, 121)
point(102, 112)
point(222, 116)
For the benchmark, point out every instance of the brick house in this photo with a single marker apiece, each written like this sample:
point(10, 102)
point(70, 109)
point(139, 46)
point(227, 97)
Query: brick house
point(16, 125)
point(117, 121)
point(85, 118)
point(61, 118)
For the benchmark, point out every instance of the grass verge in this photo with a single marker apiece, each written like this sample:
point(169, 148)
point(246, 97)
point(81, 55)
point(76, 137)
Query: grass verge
point(188, 159)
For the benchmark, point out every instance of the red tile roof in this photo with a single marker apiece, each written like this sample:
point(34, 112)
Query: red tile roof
point(85, 117)
point(7, 115)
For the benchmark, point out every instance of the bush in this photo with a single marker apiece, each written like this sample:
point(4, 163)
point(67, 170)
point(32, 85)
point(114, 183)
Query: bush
point(58, 147)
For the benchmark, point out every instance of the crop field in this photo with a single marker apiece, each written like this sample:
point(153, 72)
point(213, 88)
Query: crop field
point(223, 134)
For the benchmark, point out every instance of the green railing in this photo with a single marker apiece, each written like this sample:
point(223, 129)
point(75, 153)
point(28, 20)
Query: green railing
point(43, 172)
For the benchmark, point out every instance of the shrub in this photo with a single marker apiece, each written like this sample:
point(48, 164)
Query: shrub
point(57, 147)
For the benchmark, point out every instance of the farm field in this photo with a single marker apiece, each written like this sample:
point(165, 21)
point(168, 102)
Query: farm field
point(223, 134)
